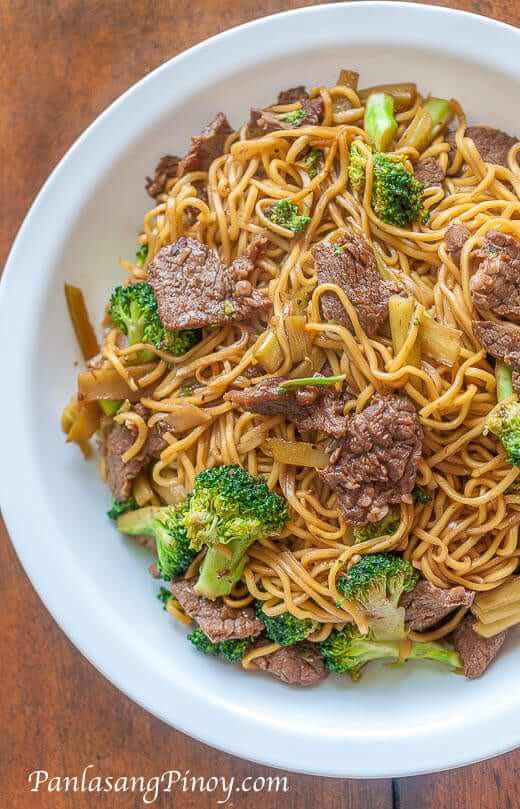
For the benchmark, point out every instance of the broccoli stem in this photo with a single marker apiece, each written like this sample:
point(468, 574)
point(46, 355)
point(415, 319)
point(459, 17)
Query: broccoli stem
point(380, 122)
point(439, 110)
point(139, 522)
point(504, 378)
point(110, 406)
point(221, 568)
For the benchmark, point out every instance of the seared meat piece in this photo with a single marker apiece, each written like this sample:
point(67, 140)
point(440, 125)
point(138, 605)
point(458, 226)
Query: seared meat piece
point(351, 265)
point(475, 651)
point(116, 440)
point(375, 463)
point(214, 618)
point(501, 340)
point(456, 237)
point(300, 664)
point(516, 381)
point(206, 146)
point(313, 109)
point(429, 172)
point(165, 169)
point(492, 144)
point(194, 289)
point(292, 95)
point(266, 120)
point(496, 284)
point(427, 604)
point(309, 407)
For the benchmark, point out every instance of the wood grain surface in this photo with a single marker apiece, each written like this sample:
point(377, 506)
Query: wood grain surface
point(62, 62)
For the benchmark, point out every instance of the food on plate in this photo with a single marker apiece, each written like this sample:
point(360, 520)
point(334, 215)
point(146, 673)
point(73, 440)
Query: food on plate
point(306, 393)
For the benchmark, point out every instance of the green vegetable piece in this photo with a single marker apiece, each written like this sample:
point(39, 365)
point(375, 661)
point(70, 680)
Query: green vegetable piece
point(312, 162)
point(166, 525)
point(380, 123)
point(311, 380)
point(285, 629)
point(396, 194)
point(421, 495)
point(372, 589)
point(346, 651)
point(296, 117)
point(230, 650)
point(141, 255)
point(164, 596)
point(120, 507)
point(229, 507)
point(133, 309)
point(110, 406)
point(357, 168)
point(388, 525)
point(287, 215)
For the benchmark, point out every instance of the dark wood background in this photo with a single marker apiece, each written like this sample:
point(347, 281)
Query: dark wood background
point(62, 62)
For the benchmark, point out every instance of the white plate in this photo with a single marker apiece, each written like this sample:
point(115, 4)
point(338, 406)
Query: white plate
point(396, 721)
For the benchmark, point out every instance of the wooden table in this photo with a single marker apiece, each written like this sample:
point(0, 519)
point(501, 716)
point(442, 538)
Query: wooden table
point(63, 61)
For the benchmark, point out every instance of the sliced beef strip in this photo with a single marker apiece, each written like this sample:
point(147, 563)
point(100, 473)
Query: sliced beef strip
point(309, 407)
point(501, 340)
point(429, 171)
point(493, 144)
point(292, 95)
point(206, 146)
point(116, 440)
point(300, 664)
point(218, 621)
point(375, 463)
point(426, 605)
point(351, 265)
point(475, 651)
point(516, 381)
point(165, 170)
point(456, 237)
point(265, 120)
point(313, 109)
point(496, 284)
point(195, 289)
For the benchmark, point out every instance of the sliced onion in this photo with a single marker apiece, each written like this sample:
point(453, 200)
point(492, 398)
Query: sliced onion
point(186, 416)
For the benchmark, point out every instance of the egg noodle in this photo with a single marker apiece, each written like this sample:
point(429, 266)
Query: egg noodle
point(467, 533)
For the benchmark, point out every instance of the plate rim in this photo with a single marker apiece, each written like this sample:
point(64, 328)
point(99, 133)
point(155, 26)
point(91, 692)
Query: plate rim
point(74, 623)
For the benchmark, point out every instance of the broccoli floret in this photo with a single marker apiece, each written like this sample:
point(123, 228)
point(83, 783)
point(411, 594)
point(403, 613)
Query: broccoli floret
point(166, 526)
point(295, 117)
point(285, 629)
point(231, 650)
point(141, 254)
point(504, 419)
point(231, 508)
point(134, 310)
point(388, 525)
point(396, 194)
point(420, 495)
point(287, 215)
point(347, 651)
point(312, 162)
point(164, 596)
point(356, 167)
point(504, 422)
point(372, 589)
point(380, 123)
point(120, 507)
